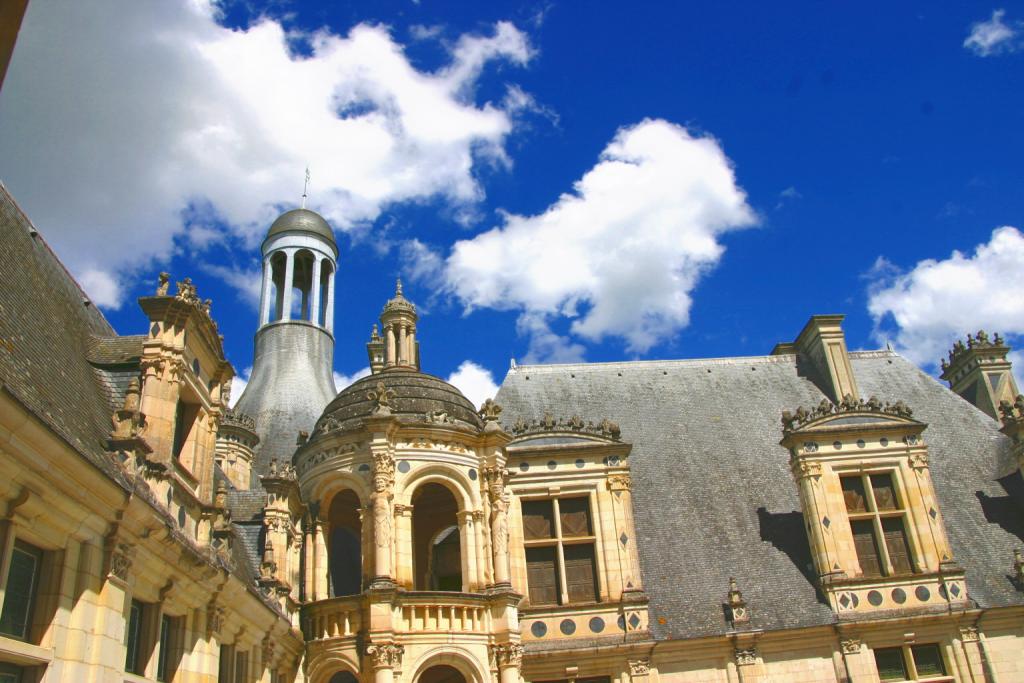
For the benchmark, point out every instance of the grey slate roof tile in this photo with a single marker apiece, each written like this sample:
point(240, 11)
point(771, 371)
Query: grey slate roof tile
point(712, 492)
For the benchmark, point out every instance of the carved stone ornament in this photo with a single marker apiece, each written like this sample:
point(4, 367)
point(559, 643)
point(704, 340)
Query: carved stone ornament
point(120, 561)
point(804, 468)
point(267, 649)
point(1012, 413)
point(163, 282)
point(746, 656)
point(639, 667)
point(919, 461)
point(490, 411)
point(851, 646)
point(793, 421)
point(605, 428)
point(385, 655)
point(1018, 568)
point(507, 654)
point(619, 482)
point(214, 618)
point(969, 634)
point(737, 605)
point(129, 422)
point(979, 341)
point(382, 396)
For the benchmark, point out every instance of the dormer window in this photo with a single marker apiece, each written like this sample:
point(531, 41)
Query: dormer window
point(559, 539)
point(877, 524)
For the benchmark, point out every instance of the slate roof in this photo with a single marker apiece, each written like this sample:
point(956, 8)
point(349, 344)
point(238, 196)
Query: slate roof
point(713, 496)
point(46, 324)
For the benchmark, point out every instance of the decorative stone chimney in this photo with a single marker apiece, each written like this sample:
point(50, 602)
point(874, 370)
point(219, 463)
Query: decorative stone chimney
point(979, 371)
point(236, 440)
point(397, 348)
point(292, 379)
point(822, 357)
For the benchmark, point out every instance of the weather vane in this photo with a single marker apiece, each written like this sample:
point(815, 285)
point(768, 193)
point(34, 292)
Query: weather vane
point(305, 187)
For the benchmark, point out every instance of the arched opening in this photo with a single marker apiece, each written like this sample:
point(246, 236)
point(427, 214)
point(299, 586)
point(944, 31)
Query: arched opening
point(441, 673)
point(437, 551)
point(302, 282)
point(278, 266)
point(343, 677)
point(325, 277)
point(345, 558)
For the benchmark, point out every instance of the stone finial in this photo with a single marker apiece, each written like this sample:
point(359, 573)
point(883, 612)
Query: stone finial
point(382, 396)
point(375, 334)
point(792, 421)
point(1012, 413)
point(738, 613)
point(398, 286)
point(268, 568)
point(490, 411)
point(163, 282)
point(575, 424)
point(128, 421)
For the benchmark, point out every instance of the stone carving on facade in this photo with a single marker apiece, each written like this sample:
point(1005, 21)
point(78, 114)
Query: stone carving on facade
point(979, 341)
point(382, 396)
point(969, 634)
point(639, 667)
point(236, 418)
point(385, 655)
point(793, 421)
point(497, 478)
point(507, 655)
point(746, 656)
point(128, 421)
point(490, 411)
point(619, 482)
point(1012, 413)
point(214, 617)
point(163, 282)
point(850, 646)
point(438, 417)
point(1018, 568)
point(804, 468)
point(738, 613)
point(575, 424)
point(267, 649)
point(919, 461)
point(120, 560)
point(268, 567)
point(380, 499)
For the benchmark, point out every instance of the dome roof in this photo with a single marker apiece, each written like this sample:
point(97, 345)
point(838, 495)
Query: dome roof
point(415, 394)
point(302, 220)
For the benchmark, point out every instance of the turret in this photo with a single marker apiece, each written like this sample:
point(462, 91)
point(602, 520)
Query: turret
point(979, 371)
point(292, 378)
point(397, 348)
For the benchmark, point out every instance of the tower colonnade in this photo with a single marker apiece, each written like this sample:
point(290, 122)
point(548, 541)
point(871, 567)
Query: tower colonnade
point(309, 272)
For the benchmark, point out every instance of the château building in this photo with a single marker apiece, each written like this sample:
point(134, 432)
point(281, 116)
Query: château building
point(814, 515)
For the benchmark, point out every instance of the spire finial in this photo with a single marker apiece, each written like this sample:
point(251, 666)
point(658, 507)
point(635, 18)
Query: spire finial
point(305, 188)
point(398, 287)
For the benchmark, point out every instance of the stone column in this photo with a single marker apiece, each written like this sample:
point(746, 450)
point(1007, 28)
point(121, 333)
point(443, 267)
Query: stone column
point(308, 561)
point(403, 544)
point(808, 476)
point(329, 314)
point(467, 544)
point(380, 503)
point(410, 342)
point(389, 338)
point(402, 351)
point(321, 564)
point(496, 478)
point(289, 277)
point(315, 292)
point(509, 657)
point(384, 657)
point(265, 292)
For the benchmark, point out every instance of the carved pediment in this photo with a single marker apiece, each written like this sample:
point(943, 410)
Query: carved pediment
point(851, 413)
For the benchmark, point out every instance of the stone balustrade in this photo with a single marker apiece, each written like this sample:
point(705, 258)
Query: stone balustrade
point(334, 618)
point(429, 611)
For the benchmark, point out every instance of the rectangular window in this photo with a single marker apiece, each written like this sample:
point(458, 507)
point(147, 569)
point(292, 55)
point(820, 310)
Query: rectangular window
point(164, 658)
point(20, 591)
point(911, 663)
point(10, 673)
point(184, 420)
point(133, 637)
point(226, 664)
point(561, 563)
point(877, 523)
point(241, 667)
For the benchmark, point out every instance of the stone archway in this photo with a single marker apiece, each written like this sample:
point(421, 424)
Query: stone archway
point(343, 677)
point(440, 673)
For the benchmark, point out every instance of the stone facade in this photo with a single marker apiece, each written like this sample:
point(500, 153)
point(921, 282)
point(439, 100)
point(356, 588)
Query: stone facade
point(639, 522)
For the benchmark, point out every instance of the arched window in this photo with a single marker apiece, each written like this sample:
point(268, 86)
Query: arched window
point(437, 558)
point(441, 673)
point(278, 265)
point(325, 278)
point(343, 677)
point(344, 546)
point(302, 282)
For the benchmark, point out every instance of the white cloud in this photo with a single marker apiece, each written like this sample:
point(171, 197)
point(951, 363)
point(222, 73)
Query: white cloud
point(474, 381)
point(993, 36)
point(246, 281)
point(341, 381)
point(924, 310)
point(147, 110)
point(618, 256)
point(238, 385)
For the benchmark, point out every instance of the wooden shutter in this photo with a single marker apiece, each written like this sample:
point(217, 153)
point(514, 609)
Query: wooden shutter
point(889, 661)
point(579, 572)
point(542, 576)
point(575, 517)
point(538, 520)
point(928, 660)
point(885, 493)
point(867, 547)
point(22, 577)
point(896, 544)
point(853, 493)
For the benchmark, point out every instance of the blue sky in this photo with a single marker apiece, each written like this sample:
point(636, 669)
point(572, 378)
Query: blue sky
point(554, 181)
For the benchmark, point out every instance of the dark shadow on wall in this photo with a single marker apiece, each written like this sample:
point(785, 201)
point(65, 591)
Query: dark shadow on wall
point(1006, 511)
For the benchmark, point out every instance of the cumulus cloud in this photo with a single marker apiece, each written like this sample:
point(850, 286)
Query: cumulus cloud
point(151, 114)
point(238, 385)
point(341, 380)
point(474, 381)
point(925, 309)
point(993, 36)
point(618, 256)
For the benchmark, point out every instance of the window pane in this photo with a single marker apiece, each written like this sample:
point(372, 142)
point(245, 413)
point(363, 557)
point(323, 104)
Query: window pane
point(165, 640)
point(579, 572)
point(542, 576)
point(867, 547)
point(538, 519)
point(20, 591)
point(885, 493)
point(10, 673)
point(890, 664)
point(575, 514)
point(241, 667)
point(131, 660)
point(896, 544)
point(928, 660)
point(853, 492)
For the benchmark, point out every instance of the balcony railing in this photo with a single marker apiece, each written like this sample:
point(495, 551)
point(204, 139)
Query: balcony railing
point(334, 618)
point(412, 612)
